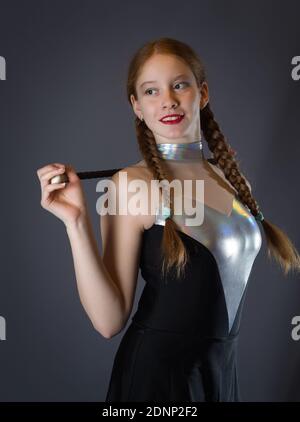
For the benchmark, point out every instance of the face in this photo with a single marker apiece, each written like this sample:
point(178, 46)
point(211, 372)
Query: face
point(161, 91)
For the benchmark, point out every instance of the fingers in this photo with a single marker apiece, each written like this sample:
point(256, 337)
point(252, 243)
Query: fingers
point(41, 171)
point(68, 169)
point(51, 187)
point(47, 172)
point(71, 173)
point(47, 191)
point(45, 177)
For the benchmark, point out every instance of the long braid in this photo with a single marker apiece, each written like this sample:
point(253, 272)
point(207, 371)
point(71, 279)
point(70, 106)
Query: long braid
point(173, 248)
point(279, 245)
point(224, 158)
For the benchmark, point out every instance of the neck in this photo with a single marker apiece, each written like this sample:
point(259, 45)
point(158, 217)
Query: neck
point(191, 151)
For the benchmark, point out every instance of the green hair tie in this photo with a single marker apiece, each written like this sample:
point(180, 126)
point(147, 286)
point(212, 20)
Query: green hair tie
point(259, 216)
point(166, 212)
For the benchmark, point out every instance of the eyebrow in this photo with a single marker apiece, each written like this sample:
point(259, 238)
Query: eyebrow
point(151, 82)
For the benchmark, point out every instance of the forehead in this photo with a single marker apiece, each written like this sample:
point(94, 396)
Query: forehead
point(162, 65)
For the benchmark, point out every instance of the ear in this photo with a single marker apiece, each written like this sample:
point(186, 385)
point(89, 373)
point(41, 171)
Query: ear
point(135, 106)
point(204, 92)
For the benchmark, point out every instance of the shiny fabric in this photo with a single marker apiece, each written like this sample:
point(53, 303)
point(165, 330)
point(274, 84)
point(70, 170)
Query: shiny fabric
point(182, 341)
point(181, 151)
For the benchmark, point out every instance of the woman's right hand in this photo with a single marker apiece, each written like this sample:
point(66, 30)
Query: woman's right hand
point(65, 200)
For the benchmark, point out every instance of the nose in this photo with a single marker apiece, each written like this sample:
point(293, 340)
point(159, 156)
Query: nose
point(169, 100)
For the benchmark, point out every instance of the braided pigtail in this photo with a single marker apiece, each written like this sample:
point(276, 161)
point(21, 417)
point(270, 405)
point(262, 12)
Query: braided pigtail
point(279, 245)
point(173, 248)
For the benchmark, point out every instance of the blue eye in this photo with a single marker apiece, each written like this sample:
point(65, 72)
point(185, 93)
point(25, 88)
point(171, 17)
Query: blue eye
point(153, 89)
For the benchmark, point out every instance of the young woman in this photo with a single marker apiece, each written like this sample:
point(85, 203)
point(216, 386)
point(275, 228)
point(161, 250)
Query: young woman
point(182, 341)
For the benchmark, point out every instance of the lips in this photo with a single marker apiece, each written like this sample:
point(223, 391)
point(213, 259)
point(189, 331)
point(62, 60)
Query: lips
point(178, 119)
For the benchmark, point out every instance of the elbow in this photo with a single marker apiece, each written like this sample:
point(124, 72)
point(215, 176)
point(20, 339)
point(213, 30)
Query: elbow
point(109, 331)
point(105, 334)
point(108, 334)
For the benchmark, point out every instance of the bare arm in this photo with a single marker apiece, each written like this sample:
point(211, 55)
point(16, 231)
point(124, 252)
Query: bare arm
point(106, 285)
point(98, 293)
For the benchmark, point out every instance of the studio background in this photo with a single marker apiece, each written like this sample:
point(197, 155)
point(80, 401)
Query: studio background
point(64, 100)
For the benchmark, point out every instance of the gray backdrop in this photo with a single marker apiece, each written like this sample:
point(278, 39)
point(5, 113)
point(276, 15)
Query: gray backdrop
point(64, 100)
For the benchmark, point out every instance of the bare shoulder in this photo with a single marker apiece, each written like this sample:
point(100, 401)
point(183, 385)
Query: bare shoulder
point(140, 172)
point(141, 163)
point(140, 166)
point(222, 178)
point(133, 170)
point(220, 173)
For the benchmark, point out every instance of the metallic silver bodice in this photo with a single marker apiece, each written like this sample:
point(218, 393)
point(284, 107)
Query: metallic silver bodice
point(233, 240)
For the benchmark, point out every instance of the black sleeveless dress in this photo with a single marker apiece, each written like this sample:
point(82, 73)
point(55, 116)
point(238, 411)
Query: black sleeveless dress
point(181, 343)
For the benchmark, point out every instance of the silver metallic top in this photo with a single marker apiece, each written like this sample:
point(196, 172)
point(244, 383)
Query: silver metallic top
point(181, 151)
point(233, 240)
point(187, 152)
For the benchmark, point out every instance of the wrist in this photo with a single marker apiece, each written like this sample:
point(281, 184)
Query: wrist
point(80, 223)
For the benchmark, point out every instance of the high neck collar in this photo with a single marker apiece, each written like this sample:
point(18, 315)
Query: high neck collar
point(181, 151)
